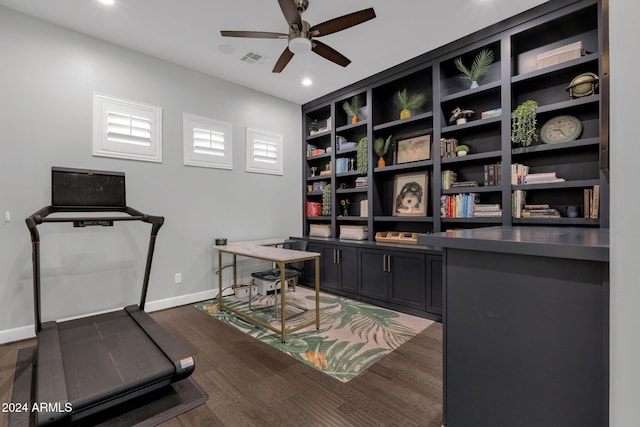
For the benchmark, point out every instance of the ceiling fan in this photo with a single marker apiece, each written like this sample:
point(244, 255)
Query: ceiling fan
point(301, 36)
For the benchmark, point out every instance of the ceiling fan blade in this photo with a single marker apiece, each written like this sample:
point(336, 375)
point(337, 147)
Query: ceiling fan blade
point(254, 34)
point(341, 23)
point(291, 13)
point(330, 53)
point(283, 60)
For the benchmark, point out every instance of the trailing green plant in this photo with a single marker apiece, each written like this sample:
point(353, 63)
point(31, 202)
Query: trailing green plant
point(313, 126)
point(480, 65)
point(326, 200)
point(409, 101)
point(352, 107)
point(362, 155)
point(380, 146)
point(523, 123)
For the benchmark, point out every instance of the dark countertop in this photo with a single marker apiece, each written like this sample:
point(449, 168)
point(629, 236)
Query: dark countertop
point(557, 242)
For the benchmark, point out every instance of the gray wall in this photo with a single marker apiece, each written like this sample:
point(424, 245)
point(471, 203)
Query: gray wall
point(625, 206)
point(47, 77)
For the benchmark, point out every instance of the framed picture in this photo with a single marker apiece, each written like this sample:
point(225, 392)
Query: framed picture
point(413, 147)
point(410, 194)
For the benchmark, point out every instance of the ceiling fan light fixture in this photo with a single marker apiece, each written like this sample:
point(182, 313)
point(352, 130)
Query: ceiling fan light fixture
point(300, 45)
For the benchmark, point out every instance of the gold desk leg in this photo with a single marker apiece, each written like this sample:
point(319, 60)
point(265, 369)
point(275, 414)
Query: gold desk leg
point(317, 292)
point(219, 279)
point(235, 272)
point(283, 290)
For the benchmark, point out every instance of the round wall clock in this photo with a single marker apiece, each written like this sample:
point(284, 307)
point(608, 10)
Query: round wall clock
point(561, 129)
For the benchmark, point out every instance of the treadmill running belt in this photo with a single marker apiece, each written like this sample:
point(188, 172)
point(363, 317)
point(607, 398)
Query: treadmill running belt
point(106, 355)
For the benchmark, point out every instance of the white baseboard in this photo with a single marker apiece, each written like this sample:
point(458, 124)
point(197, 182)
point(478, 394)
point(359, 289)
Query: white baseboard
point(25, 332)
point(17, 334)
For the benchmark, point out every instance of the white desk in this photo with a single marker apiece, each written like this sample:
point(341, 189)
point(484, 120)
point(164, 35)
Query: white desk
point(266, 250)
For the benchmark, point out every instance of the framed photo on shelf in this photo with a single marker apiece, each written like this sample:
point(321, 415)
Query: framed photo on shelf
point(413, 147)
point(410, 194)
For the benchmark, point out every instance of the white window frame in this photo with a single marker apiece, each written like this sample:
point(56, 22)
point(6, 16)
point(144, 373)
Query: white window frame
point(220, 157)
point(269, 162)
point(146, 148)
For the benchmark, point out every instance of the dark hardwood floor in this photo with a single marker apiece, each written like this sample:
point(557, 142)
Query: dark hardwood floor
point(252, 384)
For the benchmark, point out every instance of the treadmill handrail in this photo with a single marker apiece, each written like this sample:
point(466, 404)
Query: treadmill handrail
point(42, 216)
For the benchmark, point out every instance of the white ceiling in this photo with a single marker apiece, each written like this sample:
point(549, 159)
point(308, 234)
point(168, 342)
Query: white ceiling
point(187, 32)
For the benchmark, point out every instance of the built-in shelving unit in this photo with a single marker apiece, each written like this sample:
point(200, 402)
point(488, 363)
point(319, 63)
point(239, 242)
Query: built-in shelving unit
point(513, 78)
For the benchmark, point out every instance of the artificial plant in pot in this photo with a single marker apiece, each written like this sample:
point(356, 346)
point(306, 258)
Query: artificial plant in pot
point(406, 102)
point(380, 146)
point(326, 200)
point(480, 66)
point(523, 123)
point(352, 107)
point(362, 154)
point(462, 150)
point(460, 115)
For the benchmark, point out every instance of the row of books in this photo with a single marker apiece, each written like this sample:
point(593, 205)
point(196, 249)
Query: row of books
point(344, 164)
point(448, 147)
point(493, 174)
point(467, 206)
point(520, 175)
point(313, 150)
point(520, 209)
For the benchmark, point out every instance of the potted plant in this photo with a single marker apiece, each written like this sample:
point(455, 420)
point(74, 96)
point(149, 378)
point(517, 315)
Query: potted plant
point(523, 123)
point(462, 150)
point(326, 200)
point(481, 64)
point(408, 101)
point(362, 153)
point(313, 127)
point(352, 108)
point(380, 146)
point(460, 116)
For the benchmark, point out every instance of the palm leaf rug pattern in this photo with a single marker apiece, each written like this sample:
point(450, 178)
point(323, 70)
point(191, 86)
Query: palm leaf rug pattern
point(352, 337)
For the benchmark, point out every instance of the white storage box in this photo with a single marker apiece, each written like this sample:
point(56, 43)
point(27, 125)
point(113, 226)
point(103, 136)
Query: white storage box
point(560, 55)
point(353, 232)
point(319, 230)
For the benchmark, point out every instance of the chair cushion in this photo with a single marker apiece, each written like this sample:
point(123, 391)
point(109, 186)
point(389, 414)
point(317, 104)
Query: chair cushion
point(274, 274)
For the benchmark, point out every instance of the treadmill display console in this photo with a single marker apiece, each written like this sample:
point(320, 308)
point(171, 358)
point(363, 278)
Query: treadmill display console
point(87, 188)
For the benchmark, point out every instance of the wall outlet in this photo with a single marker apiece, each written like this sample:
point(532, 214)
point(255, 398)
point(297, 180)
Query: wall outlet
point(178, 278)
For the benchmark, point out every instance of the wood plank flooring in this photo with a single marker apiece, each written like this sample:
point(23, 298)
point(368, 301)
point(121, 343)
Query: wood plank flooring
point(252, 384)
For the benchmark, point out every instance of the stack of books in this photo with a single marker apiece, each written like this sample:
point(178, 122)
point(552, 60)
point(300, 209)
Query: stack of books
point(542, 178)
point(361, 182)
point(517, 203)
point(463, 184)
point(487, 210)
point(540, 211)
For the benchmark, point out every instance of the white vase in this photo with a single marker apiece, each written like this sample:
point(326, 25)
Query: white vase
point(461, 121)
point(461, 153)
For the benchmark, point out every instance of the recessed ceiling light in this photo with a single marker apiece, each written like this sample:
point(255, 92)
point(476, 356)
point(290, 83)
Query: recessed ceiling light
point(107, 2)
point(307, 81)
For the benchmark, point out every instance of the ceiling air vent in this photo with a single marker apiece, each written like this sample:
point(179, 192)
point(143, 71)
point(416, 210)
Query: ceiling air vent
point(253, 57)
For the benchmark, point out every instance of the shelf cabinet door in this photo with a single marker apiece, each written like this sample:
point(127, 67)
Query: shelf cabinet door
point(434, 291)
point(374, 279)
point(408, 279)
point(347, 259)
point(328, 267)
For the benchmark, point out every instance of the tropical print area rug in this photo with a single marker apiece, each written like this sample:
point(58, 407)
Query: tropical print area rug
point(352, 335)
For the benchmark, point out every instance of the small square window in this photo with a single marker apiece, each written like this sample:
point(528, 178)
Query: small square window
point(126, 129)
point(264, 152)
point(207, 142)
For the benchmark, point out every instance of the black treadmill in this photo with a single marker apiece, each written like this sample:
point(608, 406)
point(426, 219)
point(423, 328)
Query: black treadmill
point(84, 366)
